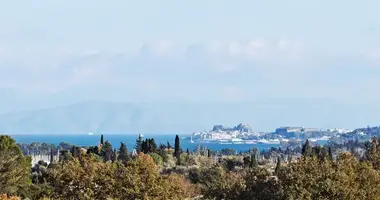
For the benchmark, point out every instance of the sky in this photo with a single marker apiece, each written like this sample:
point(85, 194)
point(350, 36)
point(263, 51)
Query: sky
point(62, 52)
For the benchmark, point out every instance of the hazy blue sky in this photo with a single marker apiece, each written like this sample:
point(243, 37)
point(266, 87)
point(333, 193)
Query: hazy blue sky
point(54, 53)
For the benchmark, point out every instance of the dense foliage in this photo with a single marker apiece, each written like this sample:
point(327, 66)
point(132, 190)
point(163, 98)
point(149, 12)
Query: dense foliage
point(87, 178)
point(166, 172)
point(14, 167)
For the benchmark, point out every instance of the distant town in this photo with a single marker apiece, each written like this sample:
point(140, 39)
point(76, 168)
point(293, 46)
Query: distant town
point(243, 134)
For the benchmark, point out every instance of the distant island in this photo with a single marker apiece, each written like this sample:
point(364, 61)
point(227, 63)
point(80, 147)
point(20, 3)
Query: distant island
point(243, 134)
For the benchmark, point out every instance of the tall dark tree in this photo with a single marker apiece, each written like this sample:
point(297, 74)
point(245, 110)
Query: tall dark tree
point(230, 164)
point(75, 151)
point(144, 146)
point(93, 149)
point(65, 155)
point(153, 146)
point(208, 153)
point(96, 150)
point(102, 140)
point(114, 156)
point(177, 147)
point(330, 153)
point(123, 153)
point(147, 145)
point(253, 160)
point(324, 153)
point(246, 161)
point(278, 166)
point(306, 149)
point(51, 156)
point(316, 151)
point(139, 142)
point(187, 151)
point(107, 151)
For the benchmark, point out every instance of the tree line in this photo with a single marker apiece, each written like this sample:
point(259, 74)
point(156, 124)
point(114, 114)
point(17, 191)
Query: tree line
point(167, 172)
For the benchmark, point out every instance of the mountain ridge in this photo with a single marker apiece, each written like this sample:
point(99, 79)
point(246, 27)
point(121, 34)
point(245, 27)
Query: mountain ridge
point(105, 116)
point(169, 117)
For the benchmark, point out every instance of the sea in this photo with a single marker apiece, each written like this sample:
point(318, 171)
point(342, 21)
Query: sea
point(130, 141)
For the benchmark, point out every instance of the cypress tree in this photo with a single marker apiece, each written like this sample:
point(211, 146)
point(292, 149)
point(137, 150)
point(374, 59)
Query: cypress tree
point(51, 156)
point(147, 146)
point(74, 151)
point(208, 153)
point(177, 152)
point(139, 142)
point(123, 153)
point(144, 147)
point(278, 166)
point(330, 153)
point(153, 146)
point(107, 151)
point(324, 154)
point(306, 149)
point(187, 151)
point(102, 140)
point(317, 150)
point(90, 150)
point(253, 162)
point(114, 156)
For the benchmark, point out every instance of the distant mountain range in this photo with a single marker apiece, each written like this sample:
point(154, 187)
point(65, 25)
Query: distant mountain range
point(113, 117)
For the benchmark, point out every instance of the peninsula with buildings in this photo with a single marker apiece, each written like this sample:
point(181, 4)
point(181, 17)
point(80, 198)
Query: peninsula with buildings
point(243, 134)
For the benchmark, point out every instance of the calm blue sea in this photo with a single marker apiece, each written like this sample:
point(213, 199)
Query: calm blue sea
point(130, 140)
